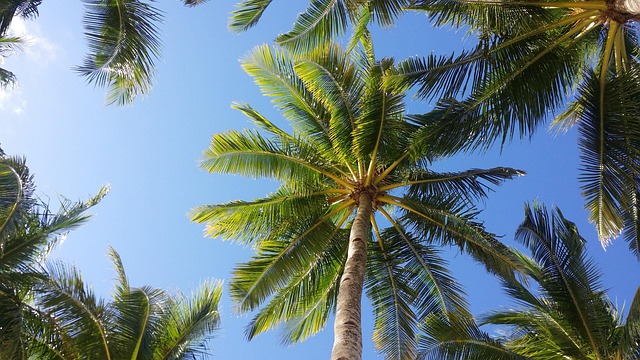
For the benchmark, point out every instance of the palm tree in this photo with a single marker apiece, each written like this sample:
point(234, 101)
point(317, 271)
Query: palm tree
point(567, 316)
point(138, 323)
point(123, 42)
point(323, 20)
point(28, 230)
point(532, 58)
point(358, 207)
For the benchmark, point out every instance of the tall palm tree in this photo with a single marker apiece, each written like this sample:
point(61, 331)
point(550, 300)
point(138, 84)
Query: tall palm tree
point(323, 20)
point(358, 207)
point(566, 316)
point(138, 323)
point(123, 42)
point(28, 230)
point(532, 59)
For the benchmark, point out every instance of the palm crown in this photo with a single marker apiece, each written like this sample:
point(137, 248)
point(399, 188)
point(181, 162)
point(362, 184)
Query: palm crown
point(523, 70)
point(356, 197)
point(568, 314)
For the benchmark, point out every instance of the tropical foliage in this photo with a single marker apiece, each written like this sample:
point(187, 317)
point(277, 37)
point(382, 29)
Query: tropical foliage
point(532, 58)
point(28, 230)
point(566, 316)
point(323, 21)
point(138, 323)
point(47, 312)
point(123, 43)
point(357, 207)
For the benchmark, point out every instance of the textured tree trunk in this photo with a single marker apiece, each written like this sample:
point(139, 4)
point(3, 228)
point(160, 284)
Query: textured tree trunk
point(347, 340)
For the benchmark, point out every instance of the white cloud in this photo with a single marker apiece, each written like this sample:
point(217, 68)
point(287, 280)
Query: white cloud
point(35, 50)
point(36, 47)
point(11, 100)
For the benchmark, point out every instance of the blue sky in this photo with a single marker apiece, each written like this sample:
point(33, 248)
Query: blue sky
point(149, 155)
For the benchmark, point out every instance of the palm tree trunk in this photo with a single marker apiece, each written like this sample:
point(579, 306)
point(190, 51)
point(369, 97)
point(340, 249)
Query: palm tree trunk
point(347, 341)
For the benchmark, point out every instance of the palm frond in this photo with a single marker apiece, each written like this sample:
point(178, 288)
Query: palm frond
point(305, 304)
point(123, 45)
point(388, 286)
point(251, 222)
point(460, 338)
point(323, 21)
point(471, 185)
point(609, 142)
point(11, 8)
point(247, 14)
point(569, 278)
point(273, 71)
point(335, 82)
point(444, 220)
point(250, 154)
point(277, 261)
point(192, 322)
point(77, 311)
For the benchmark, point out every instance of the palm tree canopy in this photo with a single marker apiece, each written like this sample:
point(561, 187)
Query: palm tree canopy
point(323, 20)
point(567, 315)
point(350, 136)
point(580, 53)
point(28, 231)
point(138, 323)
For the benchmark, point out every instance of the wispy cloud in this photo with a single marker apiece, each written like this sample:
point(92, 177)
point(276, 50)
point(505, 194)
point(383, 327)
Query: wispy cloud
point(35, 50)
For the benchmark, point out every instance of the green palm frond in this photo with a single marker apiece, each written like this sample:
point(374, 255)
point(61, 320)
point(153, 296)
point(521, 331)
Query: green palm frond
point(568, 278)
point(444, 220)
point(123, 45)
point(250, 222)
point(323, 21)
point(192, 3)
point(276, 262)
point(10, 196)
point(338, 85)
point(11, 8)
point(191, 323)
point(380, 123)
point(304, 305)
point(471, 185)
point(460, 338)
point(631, 329)
point(609, 140)
point(388, 285)
point(76, 310)
point(250, 154)
point(247, 14)
point(562, 313)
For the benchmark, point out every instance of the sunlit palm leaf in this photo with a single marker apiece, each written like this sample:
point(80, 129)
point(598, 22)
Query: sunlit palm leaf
point(273, 71)
point(323, 21)
point(278, 261)
point(123, 45)
point(388, 284)
point(247, 14)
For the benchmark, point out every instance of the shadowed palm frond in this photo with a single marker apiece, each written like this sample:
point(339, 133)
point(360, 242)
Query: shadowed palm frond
point(123, 45)
point(562, 313)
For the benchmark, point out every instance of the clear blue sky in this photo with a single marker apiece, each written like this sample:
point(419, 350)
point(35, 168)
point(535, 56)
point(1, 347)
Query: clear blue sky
point(149, 154)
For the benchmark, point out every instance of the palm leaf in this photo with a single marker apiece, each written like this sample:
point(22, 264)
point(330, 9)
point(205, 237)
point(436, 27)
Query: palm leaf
point(191, 323)
point(304, 305)
point(123, 45)
point(323, 21)
point(247, 14)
